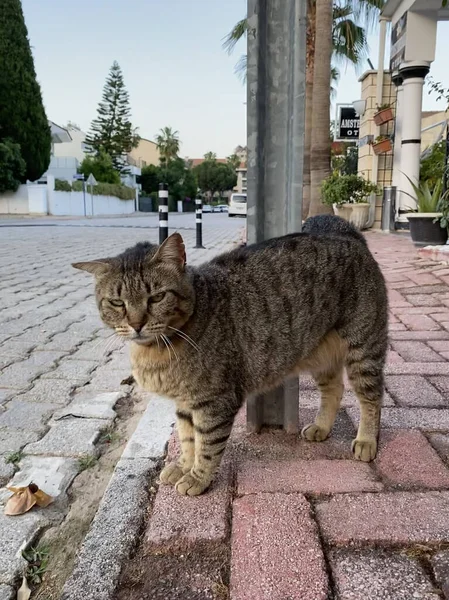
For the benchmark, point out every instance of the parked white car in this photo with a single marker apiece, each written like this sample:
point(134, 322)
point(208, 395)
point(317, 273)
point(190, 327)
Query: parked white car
point(220, 208)
point(207, 208)
point(237, 205)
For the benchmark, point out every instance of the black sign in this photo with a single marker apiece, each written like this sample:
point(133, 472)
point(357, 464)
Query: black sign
point(348, 123)
point(397, 52)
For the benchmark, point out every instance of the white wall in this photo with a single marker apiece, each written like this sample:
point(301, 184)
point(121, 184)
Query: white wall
point(14, 203)
point(75, 148)
point(63, 167)
point(76, 205)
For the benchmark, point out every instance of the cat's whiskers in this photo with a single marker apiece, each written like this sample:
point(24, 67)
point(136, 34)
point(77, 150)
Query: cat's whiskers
point(185, 337)
point(169, 342)
point(167, 346)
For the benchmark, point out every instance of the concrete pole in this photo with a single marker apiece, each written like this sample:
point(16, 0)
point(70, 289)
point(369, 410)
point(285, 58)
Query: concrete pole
point(397, 80)
point(275, 120)
point(413, 80)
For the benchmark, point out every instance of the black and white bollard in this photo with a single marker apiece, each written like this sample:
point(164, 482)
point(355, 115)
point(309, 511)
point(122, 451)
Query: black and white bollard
point(163, 212)
point(199, 222)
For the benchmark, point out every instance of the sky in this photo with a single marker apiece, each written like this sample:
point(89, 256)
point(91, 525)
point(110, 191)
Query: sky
point(174, 66)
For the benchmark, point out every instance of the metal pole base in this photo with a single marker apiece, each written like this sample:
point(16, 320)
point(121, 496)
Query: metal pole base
point(276, 409)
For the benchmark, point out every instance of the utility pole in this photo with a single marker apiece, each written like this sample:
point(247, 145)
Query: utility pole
point(276, 80)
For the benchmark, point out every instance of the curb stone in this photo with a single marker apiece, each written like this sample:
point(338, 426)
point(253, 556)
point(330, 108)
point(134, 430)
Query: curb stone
point(120, 515)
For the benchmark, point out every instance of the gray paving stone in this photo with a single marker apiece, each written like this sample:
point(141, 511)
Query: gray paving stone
point(51, 391)
point(7, 592)
point(378, 575)
point(112, 534)
point(108, 381)
point(15, 534)
point(53, 474)
point(12, 440)
point(91, 405)
point(70, 437)
point(441, 444)
point(20, 374)
point(94, 350)
point(440, 566)
point(6, 471)
point(413, 390)
point(5, 395)
point(30, 416)
point(158, 418)
point(72, 370)
point(427, 419)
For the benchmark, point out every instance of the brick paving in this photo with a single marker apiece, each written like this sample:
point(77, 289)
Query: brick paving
point(304, 521)
point(58, 365)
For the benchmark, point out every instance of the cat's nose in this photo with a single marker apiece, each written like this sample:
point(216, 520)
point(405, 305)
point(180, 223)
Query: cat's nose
point(137, 327)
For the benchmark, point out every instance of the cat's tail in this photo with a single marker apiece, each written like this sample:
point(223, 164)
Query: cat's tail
point(331, 225)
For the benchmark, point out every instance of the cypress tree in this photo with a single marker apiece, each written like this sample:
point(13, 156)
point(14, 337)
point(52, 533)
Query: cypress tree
point(112, 130)
point(22, 114)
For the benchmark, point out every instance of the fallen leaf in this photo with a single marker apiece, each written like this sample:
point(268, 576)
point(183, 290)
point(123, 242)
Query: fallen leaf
point(24, 593)
point(24, 498)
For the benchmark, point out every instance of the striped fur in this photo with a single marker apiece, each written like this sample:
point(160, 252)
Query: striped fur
point(240, 324)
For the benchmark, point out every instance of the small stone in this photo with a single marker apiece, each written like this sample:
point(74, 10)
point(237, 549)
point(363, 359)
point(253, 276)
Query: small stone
point(91, 405)
point(69, 437)
point(378, 575)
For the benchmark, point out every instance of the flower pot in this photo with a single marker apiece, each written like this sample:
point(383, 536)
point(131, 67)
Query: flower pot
point(343, 210)
point(382, 147)
point(383, 116)
point(360, 215)
point(423, 230)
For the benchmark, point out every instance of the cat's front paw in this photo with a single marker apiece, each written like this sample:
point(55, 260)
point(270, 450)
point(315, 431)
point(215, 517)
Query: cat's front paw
point(314, 433)
point(171, 473)
point(189, 485)
point(364, 449)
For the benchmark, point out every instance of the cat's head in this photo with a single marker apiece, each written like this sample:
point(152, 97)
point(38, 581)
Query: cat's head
point(144, 292)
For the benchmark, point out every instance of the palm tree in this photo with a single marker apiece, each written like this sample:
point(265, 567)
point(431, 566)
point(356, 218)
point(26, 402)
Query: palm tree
point(168, 144)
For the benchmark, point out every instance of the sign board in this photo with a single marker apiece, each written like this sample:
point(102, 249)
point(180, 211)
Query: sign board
point(398, 39)
point(91, 180)
point(78, 176)
point(347, 123)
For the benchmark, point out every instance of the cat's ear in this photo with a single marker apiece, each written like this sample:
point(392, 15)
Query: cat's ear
point(96, 267)
point(172, 250)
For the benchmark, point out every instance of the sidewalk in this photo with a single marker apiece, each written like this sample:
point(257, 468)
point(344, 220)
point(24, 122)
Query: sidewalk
point(61, 401)
point(287, 519)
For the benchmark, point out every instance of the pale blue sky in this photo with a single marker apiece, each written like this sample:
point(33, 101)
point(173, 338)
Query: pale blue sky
point(174, 66)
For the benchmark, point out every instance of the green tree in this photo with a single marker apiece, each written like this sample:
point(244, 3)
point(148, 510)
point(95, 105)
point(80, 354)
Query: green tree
point(433, 164)
point(234, 161)
point(112, 130)
point(210, 156)
point(168, 144)
point(12, 166)
point(215, 177)
point(101, 167)
point(180, 179)
point(22, 114)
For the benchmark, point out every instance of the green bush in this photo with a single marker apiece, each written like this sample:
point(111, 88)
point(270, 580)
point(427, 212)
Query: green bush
point(12, 166)
point(61, 185)
point(106, 189)
point(340, 189)
point(77, 186)
point(101, 167)
point(433, 165)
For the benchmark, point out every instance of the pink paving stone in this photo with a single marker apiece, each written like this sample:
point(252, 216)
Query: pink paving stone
point(407, 460)
point(424, 278)
point(421, 310)
point(184, 522)
point(413, 351)
point(417, 368)
point(445, 355)
point(419, 335)
point(423, 300)
point(419, 322)
point(402, 285)
point(306, 476)
point(387, 518)
point(276, 552)
point(425, 289)
point(392, 318)
point(440, 316)
point(396, 299)
point(413, 390)
point(394, 357)
point(397, 327)
point(426, 419)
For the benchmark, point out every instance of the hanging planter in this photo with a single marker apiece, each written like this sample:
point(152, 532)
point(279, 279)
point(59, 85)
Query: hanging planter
point(383, 115)
point(382, 144)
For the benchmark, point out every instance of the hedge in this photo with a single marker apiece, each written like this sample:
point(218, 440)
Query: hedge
point(101, 189)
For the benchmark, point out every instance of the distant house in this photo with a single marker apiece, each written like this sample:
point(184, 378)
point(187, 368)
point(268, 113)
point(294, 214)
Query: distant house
point(146, 153)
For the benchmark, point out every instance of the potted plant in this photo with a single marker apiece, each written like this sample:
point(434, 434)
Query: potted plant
point(429, 222)
point(382, 144)
point(383, 114)
point(348, 195)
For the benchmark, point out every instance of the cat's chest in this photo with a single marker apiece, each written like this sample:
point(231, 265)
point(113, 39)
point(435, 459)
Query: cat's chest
point(155, 374)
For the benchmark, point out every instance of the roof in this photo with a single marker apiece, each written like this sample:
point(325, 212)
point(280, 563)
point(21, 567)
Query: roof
point(147, 140)
point(59, 134)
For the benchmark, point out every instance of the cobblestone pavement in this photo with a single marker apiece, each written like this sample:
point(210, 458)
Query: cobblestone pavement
point(59, 373)
point(306, 521)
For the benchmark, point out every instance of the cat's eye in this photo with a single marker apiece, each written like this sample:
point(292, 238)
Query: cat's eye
point(115, 302)
point(157, 297)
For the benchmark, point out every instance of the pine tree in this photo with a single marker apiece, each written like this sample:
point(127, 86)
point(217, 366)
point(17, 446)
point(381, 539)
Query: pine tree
point(112, 130)
point(22, 114)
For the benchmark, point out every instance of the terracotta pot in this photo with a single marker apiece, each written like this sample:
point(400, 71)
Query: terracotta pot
point(343, 210)
point(382, 147)
point(383, 116)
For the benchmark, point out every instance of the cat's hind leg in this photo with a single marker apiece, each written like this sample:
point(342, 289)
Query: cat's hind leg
point(330, 384)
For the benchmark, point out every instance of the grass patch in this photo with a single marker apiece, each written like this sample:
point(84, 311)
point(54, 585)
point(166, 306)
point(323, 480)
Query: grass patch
point(13, 458)
point(109, 436)
point(86, 462)
point(37, 559)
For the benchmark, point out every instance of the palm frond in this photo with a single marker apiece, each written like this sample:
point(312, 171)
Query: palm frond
point(235, 35)
point(365, 12)
point(349, 40)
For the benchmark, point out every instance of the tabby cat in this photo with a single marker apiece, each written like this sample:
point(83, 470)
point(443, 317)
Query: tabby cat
point(209, 336)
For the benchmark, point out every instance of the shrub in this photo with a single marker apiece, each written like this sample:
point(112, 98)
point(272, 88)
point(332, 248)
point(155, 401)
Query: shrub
point(61, 185)
point(12, 166)
point(340, 189)
point(101, 167)
point(77, 186)
point(109, 189)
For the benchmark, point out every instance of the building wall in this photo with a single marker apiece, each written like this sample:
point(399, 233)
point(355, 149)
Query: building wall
point(431, 136)
point(73, 149)
point(241, 187)
point(145, 154)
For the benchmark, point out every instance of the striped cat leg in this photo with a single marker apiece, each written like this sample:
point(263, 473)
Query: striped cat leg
point(173, 471)
point(212, 430)
point(331, 388)
point(366, 377)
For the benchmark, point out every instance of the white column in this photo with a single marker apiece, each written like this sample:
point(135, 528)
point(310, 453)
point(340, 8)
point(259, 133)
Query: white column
point(398, 135)
point(411, 109)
